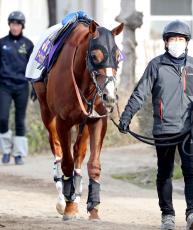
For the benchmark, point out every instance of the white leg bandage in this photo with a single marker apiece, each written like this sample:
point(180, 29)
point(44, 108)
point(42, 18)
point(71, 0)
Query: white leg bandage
point(59, 189)
point(77, 184)
point(57, 171)
point(60, 205)
point(20, 146)
point(6, 142)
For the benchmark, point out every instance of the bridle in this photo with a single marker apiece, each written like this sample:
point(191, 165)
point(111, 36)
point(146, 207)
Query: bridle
point(108, 79)
point(99, 91)
point(108, 48)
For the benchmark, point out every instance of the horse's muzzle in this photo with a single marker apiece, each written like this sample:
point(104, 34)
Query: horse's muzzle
point(109, 102)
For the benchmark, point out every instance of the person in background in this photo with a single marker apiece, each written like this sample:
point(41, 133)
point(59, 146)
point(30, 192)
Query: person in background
point(15, 50)
point(169, 79)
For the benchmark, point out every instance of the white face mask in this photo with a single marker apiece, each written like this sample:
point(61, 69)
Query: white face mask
point(176, 49)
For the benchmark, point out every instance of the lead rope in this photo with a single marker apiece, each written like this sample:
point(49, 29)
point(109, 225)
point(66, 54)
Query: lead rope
point(144, 138)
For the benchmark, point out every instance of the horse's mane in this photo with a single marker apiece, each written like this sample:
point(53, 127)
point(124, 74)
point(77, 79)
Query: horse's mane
point(79, 33)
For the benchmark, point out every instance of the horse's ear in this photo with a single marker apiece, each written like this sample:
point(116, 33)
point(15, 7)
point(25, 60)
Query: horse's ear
point(117, 30)
point(92, 28)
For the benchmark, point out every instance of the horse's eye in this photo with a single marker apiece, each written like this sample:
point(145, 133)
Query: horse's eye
point(94, 57)
point(97, 56)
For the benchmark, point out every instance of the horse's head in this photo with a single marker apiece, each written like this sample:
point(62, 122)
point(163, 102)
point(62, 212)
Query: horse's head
point(102, 62)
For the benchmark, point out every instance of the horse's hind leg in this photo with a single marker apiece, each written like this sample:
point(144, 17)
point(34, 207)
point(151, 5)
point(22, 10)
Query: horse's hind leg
point(48, 119)
point(80, 147)
point(50, 124)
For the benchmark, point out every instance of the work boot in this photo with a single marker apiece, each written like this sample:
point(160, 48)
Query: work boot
point(189, 220)
point(168, 222)
point(19, 160)
point(5, 158)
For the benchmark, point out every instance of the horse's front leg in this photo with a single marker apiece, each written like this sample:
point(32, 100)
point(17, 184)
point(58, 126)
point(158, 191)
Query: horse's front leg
point(67, 165)
point(97, 132)
point(80, 147)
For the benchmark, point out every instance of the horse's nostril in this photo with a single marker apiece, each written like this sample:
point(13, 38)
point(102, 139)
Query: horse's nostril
point(105, 97)
point(108, 99)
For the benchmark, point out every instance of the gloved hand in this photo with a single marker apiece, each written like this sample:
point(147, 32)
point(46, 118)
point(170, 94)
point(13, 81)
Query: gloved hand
point(123, 126)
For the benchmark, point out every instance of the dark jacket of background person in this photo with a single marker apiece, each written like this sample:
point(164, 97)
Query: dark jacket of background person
point(15, 50)
point(14, 55)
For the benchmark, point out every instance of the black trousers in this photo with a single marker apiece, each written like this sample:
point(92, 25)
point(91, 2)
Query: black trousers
point(20, 99)
point(165, 162)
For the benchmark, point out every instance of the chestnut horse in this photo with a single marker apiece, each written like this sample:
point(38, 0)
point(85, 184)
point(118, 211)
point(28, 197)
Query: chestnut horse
point(80, 90)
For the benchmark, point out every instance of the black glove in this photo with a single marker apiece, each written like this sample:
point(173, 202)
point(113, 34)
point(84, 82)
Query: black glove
point(123, 126)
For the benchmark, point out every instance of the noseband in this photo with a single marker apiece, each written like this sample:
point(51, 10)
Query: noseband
point(108, 79)
point(100, 92)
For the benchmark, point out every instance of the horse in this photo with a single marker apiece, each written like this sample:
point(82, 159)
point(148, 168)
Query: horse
point(80, 91)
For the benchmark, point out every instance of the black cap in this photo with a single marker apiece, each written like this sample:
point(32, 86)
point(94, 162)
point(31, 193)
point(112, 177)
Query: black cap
point(17, 16)
point(175, 28)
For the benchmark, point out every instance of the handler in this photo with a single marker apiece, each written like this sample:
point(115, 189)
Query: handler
point(169, 78)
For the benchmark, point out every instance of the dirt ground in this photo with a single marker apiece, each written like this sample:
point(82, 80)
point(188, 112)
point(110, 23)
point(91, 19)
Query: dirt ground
point(28, 195)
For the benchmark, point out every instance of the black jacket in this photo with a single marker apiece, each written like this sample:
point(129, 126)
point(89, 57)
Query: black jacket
point(14, 56)
point(171, 86)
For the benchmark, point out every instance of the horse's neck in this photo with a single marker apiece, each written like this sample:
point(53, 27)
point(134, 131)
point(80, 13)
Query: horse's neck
point(81, 73)
point(80, 40)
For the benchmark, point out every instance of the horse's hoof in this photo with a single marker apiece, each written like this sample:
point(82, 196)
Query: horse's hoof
point(70, 217)
point(95, 220)
point(71, 211)
point(60, 206)
point(94, 215)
